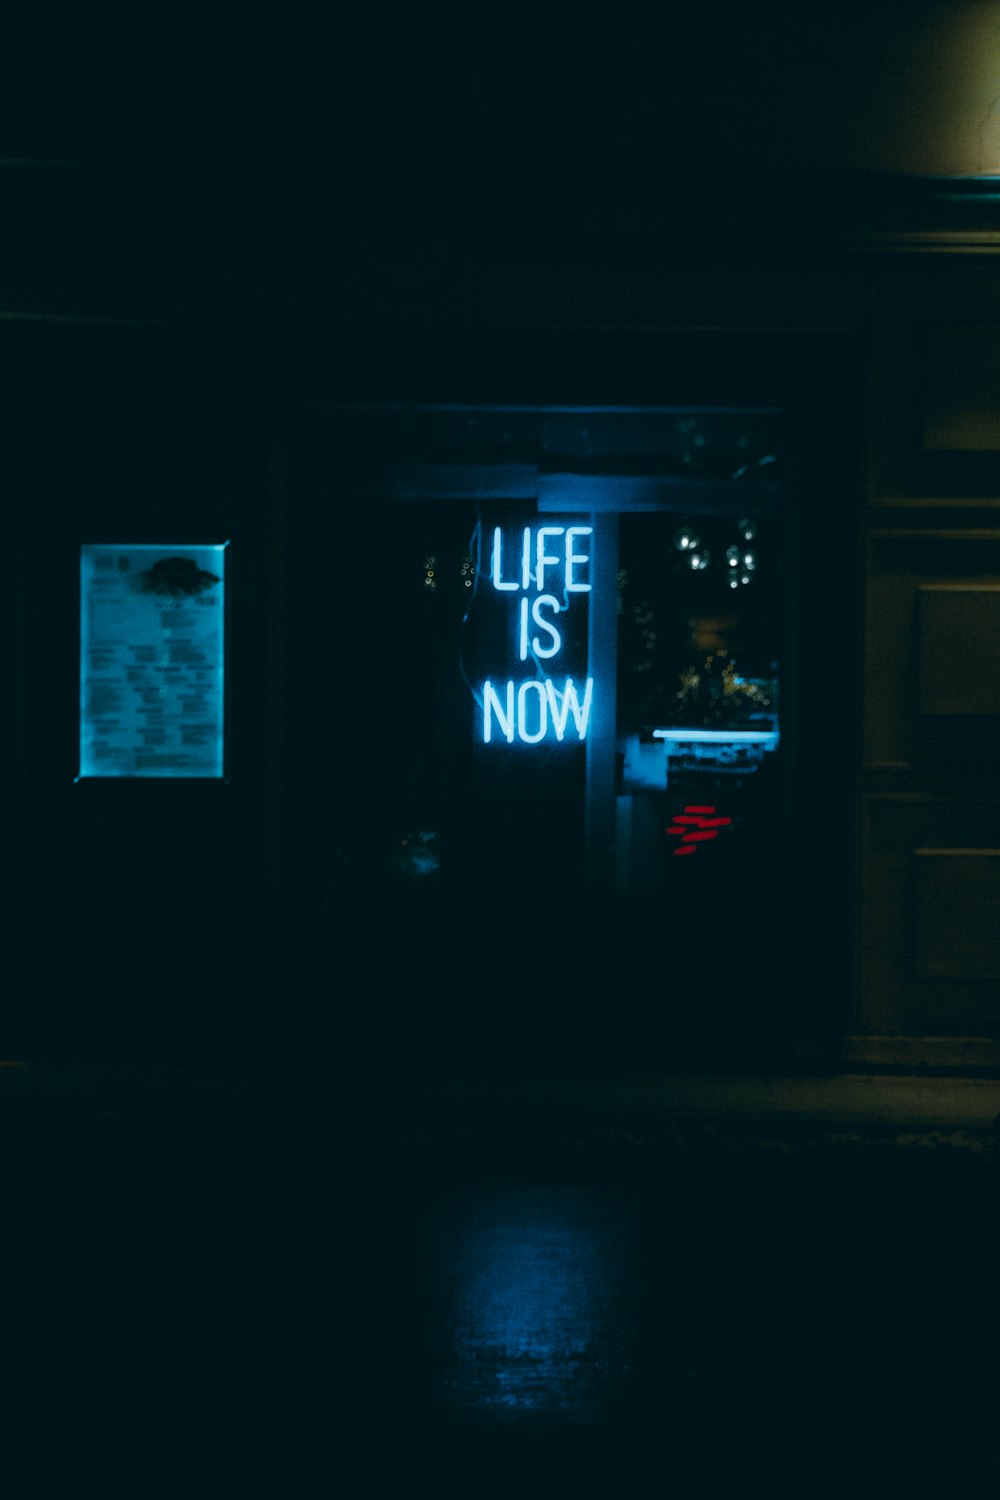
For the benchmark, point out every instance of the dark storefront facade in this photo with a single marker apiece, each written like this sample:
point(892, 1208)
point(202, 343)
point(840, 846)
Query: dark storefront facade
point(501, 976)
point(519, 742)
point(726, 566)
point(595, 502)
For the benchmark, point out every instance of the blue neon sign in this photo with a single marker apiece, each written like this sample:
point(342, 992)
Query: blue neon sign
point(543, 563)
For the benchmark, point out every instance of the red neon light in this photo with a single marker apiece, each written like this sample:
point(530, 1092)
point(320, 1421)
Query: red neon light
point(693, 828)
point(702, 822)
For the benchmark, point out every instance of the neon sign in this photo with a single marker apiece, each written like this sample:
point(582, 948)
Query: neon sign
point(695, 826)
point(545, 562)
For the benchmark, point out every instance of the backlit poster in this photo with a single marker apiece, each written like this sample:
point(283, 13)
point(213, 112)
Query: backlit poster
point(152, 660)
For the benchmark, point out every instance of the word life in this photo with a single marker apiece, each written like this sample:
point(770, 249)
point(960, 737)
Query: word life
point(547, 559)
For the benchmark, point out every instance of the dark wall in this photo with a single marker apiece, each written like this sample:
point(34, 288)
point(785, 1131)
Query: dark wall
point(156, 920)
point(396, 132)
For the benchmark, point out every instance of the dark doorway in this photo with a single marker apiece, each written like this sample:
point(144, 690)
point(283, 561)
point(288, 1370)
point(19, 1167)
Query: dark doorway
point(657, 531)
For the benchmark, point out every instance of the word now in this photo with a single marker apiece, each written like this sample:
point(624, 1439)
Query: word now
point(536, 557)
point(528, 710)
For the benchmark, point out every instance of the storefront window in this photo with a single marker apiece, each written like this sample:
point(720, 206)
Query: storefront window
point(563, 634)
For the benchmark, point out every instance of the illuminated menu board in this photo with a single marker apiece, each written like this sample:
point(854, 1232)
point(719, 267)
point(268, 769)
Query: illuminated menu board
point(152, 661)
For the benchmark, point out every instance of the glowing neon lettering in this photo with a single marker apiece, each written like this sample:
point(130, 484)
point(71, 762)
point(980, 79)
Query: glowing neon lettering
point(504, 719)
point(497, 562)
point(536, 709)
point(526, 688)
point(530, 721)
point(570, 703)
point(533, 568)
point(537, 646)
point(545, 559)
point(576, 557)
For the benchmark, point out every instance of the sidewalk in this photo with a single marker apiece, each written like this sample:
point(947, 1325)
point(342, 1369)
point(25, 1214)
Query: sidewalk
point(906, 1110)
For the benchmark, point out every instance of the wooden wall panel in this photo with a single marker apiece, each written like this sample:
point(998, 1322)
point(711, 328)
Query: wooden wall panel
point(931, 882)
point(933, 605)
point(956, 916)
point(959, 648)
point(929, 950)
point(934, 382)
point(961, 388)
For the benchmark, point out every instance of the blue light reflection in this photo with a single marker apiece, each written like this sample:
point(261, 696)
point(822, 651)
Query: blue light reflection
point(535, 1324)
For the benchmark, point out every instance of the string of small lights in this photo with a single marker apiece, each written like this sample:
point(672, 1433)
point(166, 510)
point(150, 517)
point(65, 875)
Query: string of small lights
point(741, 557)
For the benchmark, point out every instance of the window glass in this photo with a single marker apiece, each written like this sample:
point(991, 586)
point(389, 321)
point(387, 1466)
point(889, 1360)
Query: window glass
point(565, 652)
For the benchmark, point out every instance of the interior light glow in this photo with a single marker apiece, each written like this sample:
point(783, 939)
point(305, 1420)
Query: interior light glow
point(766, 737)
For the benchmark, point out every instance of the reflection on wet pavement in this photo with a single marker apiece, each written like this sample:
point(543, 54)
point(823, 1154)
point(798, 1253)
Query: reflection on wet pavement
point(336, 1309)
point(531, 1283)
